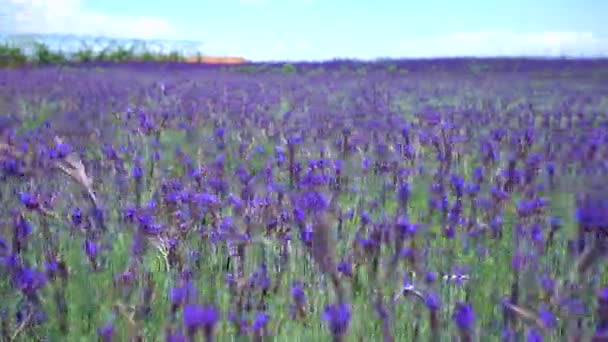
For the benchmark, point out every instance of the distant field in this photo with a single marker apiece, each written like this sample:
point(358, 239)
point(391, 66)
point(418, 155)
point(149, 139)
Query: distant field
point(217, 60)
point(436, 200)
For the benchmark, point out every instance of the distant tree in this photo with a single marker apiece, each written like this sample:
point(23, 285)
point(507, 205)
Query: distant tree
point(288, 68)
point(11, 55)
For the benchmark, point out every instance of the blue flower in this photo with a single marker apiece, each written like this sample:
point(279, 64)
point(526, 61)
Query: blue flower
point(345, 268)
point(177, 296)
point(457, 183)
point(464, 316)
point(76, 217)
point(365, 218)
point(403, 193)
point(60, 151)
point(91, 249)
point(338, 317)
point(602, 295)
point(176, 337)
point(22, 228)
point(106, 332)
point(430, 277)
point(432, 301)
point(548, 319)
point(28, 200)
point(200, 317)
point(29, 280)
point(260, 321)
point(534, 336)
point(297, 291)
point(137, 171)
point(313, 201)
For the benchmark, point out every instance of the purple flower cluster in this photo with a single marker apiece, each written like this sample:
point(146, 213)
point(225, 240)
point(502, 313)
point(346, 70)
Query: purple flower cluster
point(419, 200)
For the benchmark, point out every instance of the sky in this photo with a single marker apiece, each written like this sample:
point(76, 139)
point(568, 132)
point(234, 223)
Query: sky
point(292, 30)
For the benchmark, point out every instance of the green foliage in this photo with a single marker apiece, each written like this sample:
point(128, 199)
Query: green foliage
point(173, 56)
point(122, 54)
point(288, 68)
point(16, 53)
point(317, 71)
point(85, 54)
point(477, 68)
point(44, 55)
point(11, 55)
point(245, 69)
point(361, 71)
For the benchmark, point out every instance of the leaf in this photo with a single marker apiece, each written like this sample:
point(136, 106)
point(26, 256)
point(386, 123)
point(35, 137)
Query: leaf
point(526, 315)
point(72, 166)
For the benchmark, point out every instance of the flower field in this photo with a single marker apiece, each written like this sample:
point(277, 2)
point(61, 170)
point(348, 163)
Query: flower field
point(431, 200)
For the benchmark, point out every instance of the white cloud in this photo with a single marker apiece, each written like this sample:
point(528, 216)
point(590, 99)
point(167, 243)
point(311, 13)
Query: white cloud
point(504, 43)
point(267, 2)
point(70, 17)
point(253, 2)
point(457, 44)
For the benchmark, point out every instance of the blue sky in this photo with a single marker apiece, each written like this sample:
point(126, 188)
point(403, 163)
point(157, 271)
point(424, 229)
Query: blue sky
point(316, 29)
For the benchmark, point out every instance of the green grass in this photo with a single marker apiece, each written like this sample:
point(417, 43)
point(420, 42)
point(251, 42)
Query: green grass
point(91, 296)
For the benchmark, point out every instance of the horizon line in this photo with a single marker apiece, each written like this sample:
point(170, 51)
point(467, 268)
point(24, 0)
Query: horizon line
point(195, 48)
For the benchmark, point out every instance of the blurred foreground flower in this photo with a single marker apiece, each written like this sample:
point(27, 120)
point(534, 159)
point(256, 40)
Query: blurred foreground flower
point(198, 317)
point(338, 318)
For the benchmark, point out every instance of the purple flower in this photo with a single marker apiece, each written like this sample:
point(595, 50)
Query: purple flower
point(478, 175)
point(473, 189)
point(350, 213)
point(345, 268)
point(602, 295)
point(404, 226)
point(306, 235)
point(430, 277)
point(129, 214)
point(432, 301)
point(29, 201)
point(406, 252)
point(219, 132)
point(338, 317)
point(507, 334)
point(106, 332)
point(22, 228)
point(550, 168)
point(137, 171)
point(457, 183)
point(517, 262)
point(76, 217)
point(30, 281)
point(313, 201)
point(261, 278)
point(91, 249)
point(548, 319)
point(175, 337)
point(556, 223)
point(464, 316)
point(534, 336)
point(177, 296)
point(403, 193)
point(200, 317)
point(11, 261)
point(60, 151)
point(3, 246)
point(365, 218)
point(547, 284)
point(260, 321)
point(297, 291)
point(593, 214)
point(206, 200)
